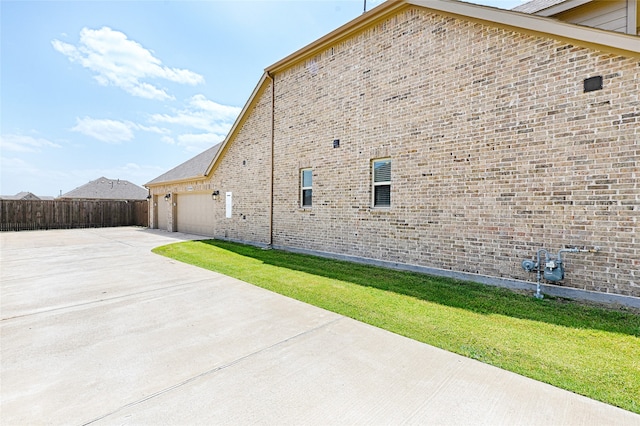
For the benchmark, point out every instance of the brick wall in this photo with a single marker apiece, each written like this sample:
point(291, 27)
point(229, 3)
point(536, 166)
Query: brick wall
point(244, 170)
point(496, 151)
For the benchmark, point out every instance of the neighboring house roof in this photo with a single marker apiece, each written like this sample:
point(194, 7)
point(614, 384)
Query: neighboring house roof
point(107, 189)
point(25, 196)
point(607, 41)
point(190, 169)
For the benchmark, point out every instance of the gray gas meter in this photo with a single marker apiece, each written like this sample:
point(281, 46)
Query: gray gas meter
point(552, 269)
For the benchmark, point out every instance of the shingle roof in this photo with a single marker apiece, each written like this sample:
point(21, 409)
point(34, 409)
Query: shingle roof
point(534, 6)
point(108, 189)
point(23, 196)
point(196, 167)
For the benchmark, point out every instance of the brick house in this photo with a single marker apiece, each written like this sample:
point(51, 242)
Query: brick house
point(437, 136)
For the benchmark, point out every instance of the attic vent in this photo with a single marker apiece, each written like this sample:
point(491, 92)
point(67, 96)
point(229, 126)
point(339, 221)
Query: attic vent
point(593, 83)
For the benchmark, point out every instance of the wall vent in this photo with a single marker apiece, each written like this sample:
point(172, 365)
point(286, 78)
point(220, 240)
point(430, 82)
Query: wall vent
point(593, 83)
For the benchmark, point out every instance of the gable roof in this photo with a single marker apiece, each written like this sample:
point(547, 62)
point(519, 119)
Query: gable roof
point(535, 6)
point(607, 41)
point(107, 189)
point(260, 87)
point(196, 167)
point(23, 195)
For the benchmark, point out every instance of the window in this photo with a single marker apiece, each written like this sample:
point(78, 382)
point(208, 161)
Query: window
point(306, 187)
point(382, 183)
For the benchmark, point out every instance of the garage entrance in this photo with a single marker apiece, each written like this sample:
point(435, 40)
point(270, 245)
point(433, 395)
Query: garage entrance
point(195, 214)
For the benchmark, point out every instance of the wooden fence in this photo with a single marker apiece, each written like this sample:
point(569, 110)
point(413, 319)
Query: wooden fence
point(21, 215)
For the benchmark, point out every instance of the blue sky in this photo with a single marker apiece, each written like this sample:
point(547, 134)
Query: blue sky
point(130, 89)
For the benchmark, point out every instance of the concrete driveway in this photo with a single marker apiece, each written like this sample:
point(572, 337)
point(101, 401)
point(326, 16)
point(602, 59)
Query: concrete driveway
point(98, 330)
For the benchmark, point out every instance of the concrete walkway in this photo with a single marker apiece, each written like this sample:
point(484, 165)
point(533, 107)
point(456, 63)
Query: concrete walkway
point(96, 329)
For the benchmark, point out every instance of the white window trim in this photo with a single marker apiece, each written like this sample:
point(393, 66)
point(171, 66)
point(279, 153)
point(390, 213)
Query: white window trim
point(303, 188)
point(374, 184)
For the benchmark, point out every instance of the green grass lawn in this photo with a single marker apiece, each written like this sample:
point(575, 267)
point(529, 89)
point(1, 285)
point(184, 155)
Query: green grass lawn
point(588, 350)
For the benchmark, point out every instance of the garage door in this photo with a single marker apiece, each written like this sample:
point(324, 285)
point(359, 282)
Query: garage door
point(195, 214)
point(162, 207)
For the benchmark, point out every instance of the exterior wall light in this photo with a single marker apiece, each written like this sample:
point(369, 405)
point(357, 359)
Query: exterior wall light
point(167, 197)
point(215, 194)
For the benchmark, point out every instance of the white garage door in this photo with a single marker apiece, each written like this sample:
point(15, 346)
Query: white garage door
point(195, 214)
point(162, 207)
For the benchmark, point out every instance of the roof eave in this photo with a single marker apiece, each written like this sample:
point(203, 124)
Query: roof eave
point(619, 43)
point(152, 184)
point(608, 41)
point(368, 18)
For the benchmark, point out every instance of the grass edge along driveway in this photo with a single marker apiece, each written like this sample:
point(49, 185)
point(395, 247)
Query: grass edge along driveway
point(585, 349)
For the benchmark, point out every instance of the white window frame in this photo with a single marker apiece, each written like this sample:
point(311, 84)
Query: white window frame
point(375, 184)
point(306, 188)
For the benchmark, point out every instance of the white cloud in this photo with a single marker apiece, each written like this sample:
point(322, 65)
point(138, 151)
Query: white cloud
point(19, 175)
point(14, 164)
point(202, 114)
point(112, 131)
point(199, 142)
point(136, 173)
point(215, 109)
point(168, 140)
point(123, 63)
point(152, 129)
point(109, 131)
point(211, 120)
point(133, 172)
point(21, 143)
point(214, 119)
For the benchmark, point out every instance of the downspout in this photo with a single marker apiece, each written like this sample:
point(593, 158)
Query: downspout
point(273, 125)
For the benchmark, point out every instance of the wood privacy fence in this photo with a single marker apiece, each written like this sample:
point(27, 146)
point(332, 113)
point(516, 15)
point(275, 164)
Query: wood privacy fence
point(21, 215)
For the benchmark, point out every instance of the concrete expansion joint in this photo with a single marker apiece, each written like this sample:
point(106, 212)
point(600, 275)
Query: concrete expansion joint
point(105, 299)
point(104, 237)
point(214, 370)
